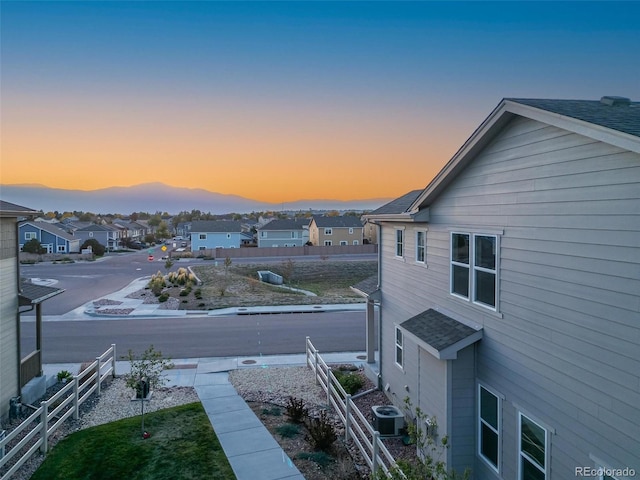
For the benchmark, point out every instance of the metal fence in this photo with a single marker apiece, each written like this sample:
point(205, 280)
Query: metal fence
point(356, 426)
point(45, 420)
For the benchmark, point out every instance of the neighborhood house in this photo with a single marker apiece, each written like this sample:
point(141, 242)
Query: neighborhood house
point(508, 293)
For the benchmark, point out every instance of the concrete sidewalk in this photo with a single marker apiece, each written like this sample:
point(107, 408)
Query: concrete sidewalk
point(252, 452)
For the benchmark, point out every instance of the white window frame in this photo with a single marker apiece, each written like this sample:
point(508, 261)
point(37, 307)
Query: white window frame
point(328, 243)
point(30, 235)
point(350, 231)
point(399, 242)
point(481, 422)
point(328, 231)
point(473, 269)
point(62, 249)
point(202, 236)
point(263, 234)
point(524, 456)
point(399, 347)
point(423, 247)
point(356, 242)
point(343, 242)
point(294, 234)
point(90, 234)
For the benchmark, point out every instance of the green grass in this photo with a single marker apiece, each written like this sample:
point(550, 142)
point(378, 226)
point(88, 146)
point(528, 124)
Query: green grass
point(182, 445)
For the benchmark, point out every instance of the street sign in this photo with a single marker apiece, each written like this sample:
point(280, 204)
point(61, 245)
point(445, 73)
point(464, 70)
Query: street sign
point(164, 248)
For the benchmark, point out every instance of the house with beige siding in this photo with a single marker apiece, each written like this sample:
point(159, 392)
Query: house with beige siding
point(338, 230)
point(509, 293)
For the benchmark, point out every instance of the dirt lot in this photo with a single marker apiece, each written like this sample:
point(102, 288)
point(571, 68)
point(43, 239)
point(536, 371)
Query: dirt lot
point(238, 285)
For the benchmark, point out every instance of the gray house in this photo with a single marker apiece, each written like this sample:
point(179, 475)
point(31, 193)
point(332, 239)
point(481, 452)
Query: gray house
point(509, 293)
point(286, 232)
point(106, 235)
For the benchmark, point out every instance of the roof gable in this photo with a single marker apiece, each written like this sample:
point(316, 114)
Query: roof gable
point(578, 116)
point(345, 221)
point(52, 229)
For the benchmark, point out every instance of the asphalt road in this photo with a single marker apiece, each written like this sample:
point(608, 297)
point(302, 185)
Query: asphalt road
point(177, 337)
point(239, 335)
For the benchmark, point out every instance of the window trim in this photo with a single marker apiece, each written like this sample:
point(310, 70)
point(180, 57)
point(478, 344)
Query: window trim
point(328, 243)
point(328, 231)
point(472, 268)
point(481, 422)
point(524, 456)
point(202, 236)
point(399, 242)
point(398, 346)
point(30, 235)
point(424, 246)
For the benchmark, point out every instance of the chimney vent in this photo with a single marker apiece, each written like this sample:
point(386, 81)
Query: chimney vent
point(613, 101)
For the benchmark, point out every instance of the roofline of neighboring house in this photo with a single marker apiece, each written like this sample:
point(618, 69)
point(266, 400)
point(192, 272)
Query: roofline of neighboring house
point(499, 117)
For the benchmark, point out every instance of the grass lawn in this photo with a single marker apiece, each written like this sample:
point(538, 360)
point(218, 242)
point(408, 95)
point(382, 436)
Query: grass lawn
point(182, 445)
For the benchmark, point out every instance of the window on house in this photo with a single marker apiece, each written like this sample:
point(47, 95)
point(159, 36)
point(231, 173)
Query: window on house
point(327, 243)
point(294, 234)
point(90, 234)
point(356, 242)
point(532, 450)
point(421, 246)
point(399, 243)
point(228, 235)
point(202, 247)
point(474, 267)
point(263, 234)
point(62, 249)
point(29, 235)
point(489, 427)
point(344, 242)
point(328, 231)
point(399, 347)
point(351, 231)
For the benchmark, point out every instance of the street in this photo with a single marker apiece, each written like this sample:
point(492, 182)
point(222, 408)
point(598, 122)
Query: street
point(190, 336)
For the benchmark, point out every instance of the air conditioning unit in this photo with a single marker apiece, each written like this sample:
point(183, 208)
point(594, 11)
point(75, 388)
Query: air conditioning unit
point(387, 419)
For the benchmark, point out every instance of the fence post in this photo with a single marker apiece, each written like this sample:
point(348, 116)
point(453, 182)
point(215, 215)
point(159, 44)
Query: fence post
point(76, 397)
point(113, 361)
point(329, 374)
point(43, 422)
point(306, 349)
point(315, 367)
point(374, 459)
point(98, 368)
point(347, 423)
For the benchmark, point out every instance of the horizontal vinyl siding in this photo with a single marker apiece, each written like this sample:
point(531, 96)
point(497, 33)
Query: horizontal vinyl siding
point(8, 327)
point(567, 348)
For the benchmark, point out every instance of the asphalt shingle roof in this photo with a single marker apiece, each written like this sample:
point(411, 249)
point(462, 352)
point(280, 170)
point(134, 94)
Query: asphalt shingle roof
point(31, 293)
point(436, 329)
point(399, 205)
point(286, 224)
point(367, 286)
point(623, 118)
point(216, 226)
point(338, 222)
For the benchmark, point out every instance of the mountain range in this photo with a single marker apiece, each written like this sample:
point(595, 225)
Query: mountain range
point(154, 197)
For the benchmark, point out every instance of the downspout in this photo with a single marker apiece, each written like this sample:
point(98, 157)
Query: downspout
point(379, 233)
point(19, 353)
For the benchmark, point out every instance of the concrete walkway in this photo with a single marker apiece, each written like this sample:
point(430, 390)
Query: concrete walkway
point(252, 452)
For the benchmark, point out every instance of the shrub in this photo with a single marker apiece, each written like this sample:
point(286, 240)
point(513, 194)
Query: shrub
point(275, 411)
point(156, 284)
point(96, 247)
point(163, 298)
point(321, 458)
point(64, 375)
point(322, 434)
point(350, 382)
point(296, 410)
point(288, 430)
point(33, 246)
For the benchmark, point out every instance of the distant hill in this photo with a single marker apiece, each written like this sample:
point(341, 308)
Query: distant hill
point(153, 197)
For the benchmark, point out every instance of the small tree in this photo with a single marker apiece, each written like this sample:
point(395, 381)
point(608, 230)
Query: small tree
point(33, 246)
point(148, 368)
point(96, 247)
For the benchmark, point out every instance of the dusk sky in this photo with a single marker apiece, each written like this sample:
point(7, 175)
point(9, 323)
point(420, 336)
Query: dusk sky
point(281, 101)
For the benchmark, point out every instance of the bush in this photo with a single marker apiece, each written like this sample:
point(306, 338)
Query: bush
point(96, 247)
point(64, 375)
point(288, 430)
point(33, 246)
point(322, 434)
point(296, 410)
point(163, 298)
point(350, 382)
point(321, 458)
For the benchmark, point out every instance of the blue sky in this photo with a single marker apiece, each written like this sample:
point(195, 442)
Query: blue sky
point(287, 91)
